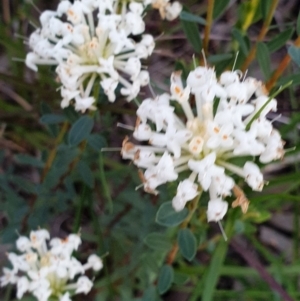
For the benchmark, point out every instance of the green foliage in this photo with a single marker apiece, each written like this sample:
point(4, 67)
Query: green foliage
point(219, 8)
point(158, 241)
point(167, 216)
point(187, 244)
point(263, 58)
point(52, 118)
point(294, 52)
point(186, 16)
point(165, 279)
point(54, 175)
point(237, 34)
point(80, 130)
point(190, 28)
point(280, 40)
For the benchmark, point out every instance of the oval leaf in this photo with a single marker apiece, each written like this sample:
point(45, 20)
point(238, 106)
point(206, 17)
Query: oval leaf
point(80, 130)
point(263, 58)
point(165, 279)
point(150, 294)
point(238, 35)
point(157, 241)
point(192, 33)
point(294, 53)
point(186, 16)
point(52, 118)
point(280, 40)
point(29, 160)
point(180, 278)
point(219, 8)
point(167, 216)
point(86, 174)
point(187, 244)
point(96, 141)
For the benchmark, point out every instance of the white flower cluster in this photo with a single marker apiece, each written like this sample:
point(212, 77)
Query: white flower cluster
point(167, 10)
point(227, 121)
point(47, 272)
point(93, 40)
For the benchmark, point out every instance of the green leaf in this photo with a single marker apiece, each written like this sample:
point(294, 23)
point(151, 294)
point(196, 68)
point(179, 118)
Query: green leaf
point(180, 278)
point(52, 118)
point(219, 8)
point(80, 130)
point(96, 141)
point(265, 7)
point(187, 244)
point(237, 34)
point(217, 58)
point(149, 294)
point(29, 160)
point(165, 279)
point(214, 271)
point(263, 58)
point(294, 53)
point(86, 174)
point(192, 33)
point(295, 78)
point(168, 217)
point(186, 16)
point(280, 40)
point(157, 241)
point(23, 184)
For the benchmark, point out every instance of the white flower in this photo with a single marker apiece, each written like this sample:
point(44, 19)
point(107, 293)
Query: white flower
point(9, 277)
point(84, 285)
point(169, 11)
point(202, 144)
point(47, 272)
point(186, 191)
point(65, 297)
point(90, 42)
point(216, 210)
point(22, 286)
point(253, 176)
point(206, 169)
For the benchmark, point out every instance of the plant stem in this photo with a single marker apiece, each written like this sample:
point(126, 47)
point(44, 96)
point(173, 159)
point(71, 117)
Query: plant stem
point(104, 184)
point(83, 196)
point(7, 293)
point(193, 206)
point(261, 35)
point(282, 66)
point(53, 152)
point(209, 20)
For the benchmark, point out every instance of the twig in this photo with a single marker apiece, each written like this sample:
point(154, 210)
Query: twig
point(53, 152)
point(261, 35)
point(282, 66)
point(6, 11)
point(265, 275)
point(209, 20)
point(16, 97)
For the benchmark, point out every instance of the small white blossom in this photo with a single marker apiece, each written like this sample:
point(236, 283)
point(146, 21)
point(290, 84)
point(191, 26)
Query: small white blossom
point(167, 10)
point(216, 210)
point(47, 272)
point(186, 191)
